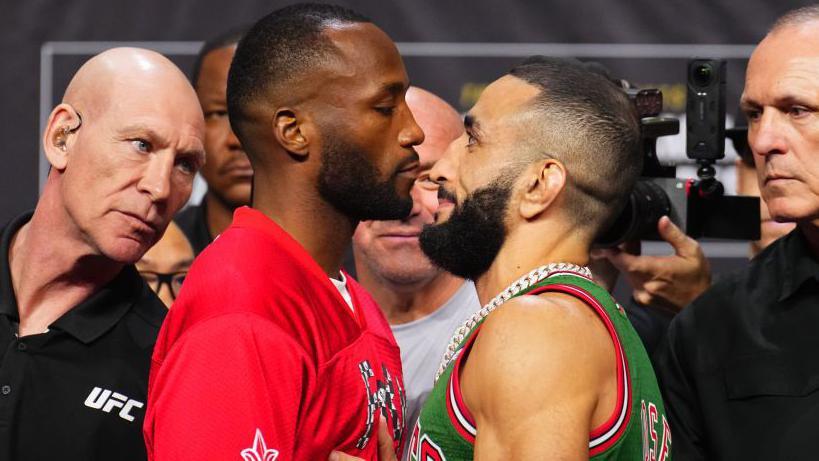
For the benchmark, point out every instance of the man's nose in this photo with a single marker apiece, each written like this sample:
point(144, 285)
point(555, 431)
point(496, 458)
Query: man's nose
point(767, 135)
point(411, 134)
point(444, 169)
point(232, 140)
point(156, 178)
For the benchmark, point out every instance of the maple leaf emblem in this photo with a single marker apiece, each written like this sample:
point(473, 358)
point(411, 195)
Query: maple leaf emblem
point(259, 451)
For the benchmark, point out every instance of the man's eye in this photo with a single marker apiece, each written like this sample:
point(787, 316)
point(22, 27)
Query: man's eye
point(141, 145)
point(385, 110)
point(798, 111)
point(426, 183)
point(752, 114)
point(188, 166)
point(216, 115)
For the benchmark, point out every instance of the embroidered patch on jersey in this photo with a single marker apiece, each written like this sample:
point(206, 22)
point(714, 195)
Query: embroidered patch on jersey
point(259, 450)
point(381, 398)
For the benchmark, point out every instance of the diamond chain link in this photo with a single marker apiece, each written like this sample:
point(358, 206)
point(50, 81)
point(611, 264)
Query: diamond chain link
point(533, 277)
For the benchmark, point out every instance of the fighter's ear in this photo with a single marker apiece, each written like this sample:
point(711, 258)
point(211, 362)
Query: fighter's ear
point(289, 130)
point(60, 134)
point(544, 182)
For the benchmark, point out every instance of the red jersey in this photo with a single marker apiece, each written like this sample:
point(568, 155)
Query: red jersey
point(261, 359)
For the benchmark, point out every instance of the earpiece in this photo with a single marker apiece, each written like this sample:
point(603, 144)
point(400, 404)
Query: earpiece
point(61, 138)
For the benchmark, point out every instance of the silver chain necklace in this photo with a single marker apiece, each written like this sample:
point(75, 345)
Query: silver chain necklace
point(516, 287)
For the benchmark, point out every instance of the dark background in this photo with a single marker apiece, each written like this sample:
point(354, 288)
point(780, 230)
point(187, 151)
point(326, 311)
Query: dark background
point(450, 48)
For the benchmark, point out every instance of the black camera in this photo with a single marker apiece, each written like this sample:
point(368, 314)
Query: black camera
point(705, 109)
point(698, 206)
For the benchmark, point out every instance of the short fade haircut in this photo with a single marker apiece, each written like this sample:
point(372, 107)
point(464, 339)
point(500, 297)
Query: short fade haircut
point(796, 17)
point(587, 122)
point(225, 39)
point(277, 51)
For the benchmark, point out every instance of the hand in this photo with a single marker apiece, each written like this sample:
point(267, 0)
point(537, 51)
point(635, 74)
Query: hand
point(386, 448)
point(669, 281)
point(603, 271)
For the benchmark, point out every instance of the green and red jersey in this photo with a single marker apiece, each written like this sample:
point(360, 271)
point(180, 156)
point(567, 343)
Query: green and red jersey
point(637, 428)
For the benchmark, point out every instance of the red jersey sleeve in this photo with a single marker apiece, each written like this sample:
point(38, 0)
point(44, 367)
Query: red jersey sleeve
point(231, 387)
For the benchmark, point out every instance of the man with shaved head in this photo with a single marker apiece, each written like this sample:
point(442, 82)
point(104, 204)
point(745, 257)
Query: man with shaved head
point(423, 303)
point(738, 367)
point(77, 323)
point(270, 351)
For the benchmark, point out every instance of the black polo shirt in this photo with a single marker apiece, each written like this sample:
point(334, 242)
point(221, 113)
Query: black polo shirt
point(77, 391)
point(739, 368)
point(193, 221)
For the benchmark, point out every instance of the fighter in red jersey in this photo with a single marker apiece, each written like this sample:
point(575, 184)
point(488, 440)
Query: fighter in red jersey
point(270, 352)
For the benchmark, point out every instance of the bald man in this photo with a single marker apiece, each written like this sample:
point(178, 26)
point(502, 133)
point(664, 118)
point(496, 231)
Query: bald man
point(77, 323)
point(422, 303)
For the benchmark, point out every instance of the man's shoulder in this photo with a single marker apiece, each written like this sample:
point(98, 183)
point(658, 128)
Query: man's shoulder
point(238, 251)
point(734, 294)
point(536, 338)
point(735, 302)
point(247, 273)
point(546, 319)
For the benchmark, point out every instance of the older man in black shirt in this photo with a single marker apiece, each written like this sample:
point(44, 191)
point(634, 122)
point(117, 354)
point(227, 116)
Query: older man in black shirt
point(77, 323)
point(740, 368)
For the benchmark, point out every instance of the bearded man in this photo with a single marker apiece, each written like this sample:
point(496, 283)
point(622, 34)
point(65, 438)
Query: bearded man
point(270, 351)
point(550, 367)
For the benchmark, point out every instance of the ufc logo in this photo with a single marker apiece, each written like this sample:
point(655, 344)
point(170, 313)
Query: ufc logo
point(107, 400)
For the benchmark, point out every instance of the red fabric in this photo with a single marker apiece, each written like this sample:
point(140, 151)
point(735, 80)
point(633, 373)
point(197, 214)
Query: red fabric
point(260, 347)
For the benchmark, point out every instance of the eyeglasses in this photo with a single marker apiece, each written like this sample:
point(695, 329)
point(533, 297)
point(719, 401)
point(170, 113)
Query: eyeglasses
point(155, 280)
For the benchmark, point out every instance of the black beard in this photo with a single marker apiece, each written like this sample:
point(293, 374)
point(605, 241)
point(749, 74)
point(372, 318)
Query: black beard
point(468, 242)
point(349, 182)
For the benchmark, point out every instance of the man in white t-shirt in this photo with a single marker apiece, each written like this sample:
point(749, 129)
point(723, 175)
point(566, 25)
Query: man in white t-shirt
point(422, 303)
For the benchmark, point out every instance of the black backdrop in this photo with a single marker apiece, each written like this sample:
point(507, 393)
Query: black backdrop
point(452, 48)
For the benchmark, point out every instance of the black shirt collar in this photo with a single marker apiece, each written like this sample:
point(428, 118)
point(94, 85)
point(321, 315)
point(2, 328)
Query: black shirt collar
point(91, 318)
point(798, 262)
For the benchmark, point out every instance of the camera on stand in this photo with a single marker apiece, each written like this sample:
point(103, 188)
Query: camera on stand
point(698, 206)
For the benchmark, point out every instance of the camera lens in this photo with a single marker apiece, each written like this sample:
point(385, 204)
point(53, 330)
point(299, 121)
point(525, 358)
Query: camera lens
point(646, 205)
point(702, 74)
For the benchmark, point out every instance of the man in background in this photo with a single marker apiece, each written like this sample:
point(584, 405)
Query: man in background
point(423, 303)
point(165, 266)
point(739, 367)
point(77, 323)
point(227, 171)
point(663, 285)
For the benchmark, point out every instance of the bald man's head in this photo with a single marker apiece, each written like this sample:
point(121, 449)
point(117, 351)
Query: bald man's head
point(441, 123)
point(117, 72)
point(124, 146)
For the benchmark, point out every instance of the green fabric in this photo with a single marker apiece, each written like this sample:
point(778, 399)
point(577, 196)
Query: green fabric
point(436, 438)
